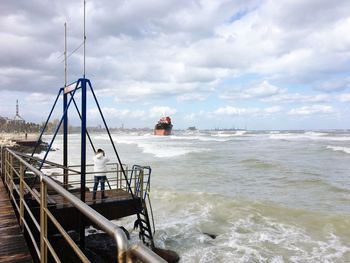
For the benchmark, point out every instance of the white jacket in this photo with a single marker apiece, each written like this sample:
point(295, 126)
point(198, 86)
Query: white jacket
point(100, 164)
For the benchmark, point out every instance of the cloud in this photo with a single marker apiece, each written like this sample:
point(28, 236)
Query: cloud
point(274, 109)
point(180, 50)
point(231, 111)
point(345, 97)
point(260, 90)
point(311, 110)
point(114, 113)
point(141, 91)
point(194, 42)
point(334, 85)
point(299, 98)
point(38, 97)
point(160, 111)
point(192, 97)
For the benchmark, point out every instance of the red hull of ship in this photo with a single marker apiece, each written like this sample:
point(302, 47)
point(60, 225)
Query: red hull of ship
point(162, 132)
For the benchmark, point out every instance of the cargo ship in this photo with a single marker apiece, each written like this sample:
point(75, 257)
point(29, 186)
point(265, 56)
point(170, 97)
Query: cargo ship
point(163, 127)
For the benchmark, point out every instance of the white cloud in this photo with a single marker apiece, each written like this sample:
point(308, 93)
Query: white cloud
point(229, 110)
point(310, 110)
point(38, 97)
point(345, 97)
point(274, 109)
point(299, 98)
point(333, 85)
point(142, 91)
point(192, 97)
point(113, 113)
point(196, 116)
point(252, 91)
point(160, 111)
point(184, 50)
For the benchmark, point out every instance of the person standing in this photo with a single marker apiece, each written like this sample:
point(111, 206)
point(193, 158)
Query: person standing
point(100, 167)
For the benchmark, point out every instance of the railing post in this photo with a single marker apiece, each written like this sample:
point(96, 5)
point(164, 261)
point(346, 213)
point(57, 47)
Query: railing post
point(141, 184)
point(10, 185)
point(6, 166)
point(43, 222)
point(117, 176)
point(2, 161)
point(21, 194)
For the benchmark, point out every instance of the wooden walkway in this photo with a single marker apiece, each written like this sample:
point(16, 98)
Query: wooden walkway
point(13, 247)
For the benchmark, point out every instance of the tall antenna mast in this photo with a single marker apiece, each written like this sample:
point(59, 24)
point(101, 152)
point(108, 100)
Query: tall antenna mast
point(17, 110)
point(84, 37)
point(65, 54)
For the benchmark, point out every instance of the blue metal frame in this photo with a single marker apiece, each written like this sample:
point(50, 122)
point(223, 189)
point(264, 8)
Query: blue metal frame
point(83, 85)
point(87, 133)
point(110, 138)
point(59, 125)
point(47, 121)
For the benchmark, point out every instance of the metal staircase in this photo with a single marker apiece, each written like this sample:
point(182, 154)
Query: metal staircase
point(142, 176)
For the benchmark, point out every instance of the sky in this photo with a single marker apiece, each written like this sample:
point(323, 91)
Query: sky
point(225, 64)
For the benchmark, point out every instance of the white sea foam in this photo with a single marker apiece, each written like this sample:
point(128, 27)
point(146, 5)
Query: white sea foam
point(312, 133)
point(167, 151)
point(308, 136)
point(339, 149)
point(229, 134)
point(245, 235)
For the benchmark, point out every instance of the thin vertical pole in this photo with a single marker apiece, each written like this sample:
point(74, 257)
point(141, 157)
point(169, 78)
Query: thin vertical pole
point(84, 37)
point(65, 118)
point(21, 194)
point(65, 54)
point(83, 158)
point(43, 222)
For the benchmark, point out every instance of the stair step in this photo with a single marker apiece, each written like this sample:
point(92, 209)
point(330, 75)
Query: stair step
point(149, 237)
point(146, 228)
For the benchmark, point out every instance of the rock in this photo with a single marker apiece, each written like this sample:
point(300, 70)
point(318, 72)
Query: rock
point(168, 255)
point(67, 255)
point(213, 236)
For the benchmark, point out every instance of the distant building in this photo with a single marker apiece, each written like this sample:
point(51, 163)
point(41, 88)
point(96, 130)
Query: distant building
point(18, 118)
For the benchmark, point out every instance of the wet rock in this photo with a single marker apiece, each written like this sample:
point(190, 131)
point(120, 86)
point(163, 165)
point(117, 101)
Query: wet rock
point(213, 236)
point(92, 231)
point(67, 254)
point(103, 245)
point(168, 255)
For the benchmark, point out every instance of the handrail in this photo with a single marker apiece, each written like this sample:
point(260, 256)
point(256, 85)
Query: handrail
point(124, 251)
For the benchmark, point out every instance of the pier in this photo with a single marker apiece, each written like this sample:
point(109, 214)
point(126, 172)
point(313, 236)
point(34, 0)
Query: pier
point(13, 247)
point(36, 208)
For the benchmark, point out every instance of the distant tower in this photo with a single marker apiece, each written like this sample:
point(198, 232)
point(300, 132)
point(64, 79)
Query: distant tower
point(17, 117)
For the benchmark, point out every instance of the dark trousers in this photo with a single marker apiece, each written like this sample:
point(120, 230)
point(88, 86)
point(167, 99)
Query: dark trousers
point(97, 180)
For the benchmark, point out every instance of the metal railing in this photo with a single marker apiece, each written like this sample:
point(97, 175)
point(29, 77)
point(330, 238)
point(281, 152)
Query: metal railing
point(138, 177)
point(14, 170)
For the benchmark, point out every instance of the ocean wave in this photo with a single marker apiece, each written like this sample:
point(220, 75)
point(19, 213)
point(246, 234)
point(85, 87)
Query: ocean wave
point(339, 149)
point(260, 164)
point(312, 133)
point(308, 136)
point(246, 231)
point(228, 133)
point(167, 151)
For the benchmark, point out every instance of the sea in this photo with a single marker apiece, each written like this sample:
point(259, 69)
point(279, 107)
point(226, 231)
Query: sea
point(241, 196)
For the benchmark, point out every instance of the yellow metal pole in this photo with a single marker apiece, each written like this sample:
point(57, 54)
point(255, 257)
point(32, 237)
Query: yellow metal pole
point(43, 222)
point(21, 194)
point(11, 175)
